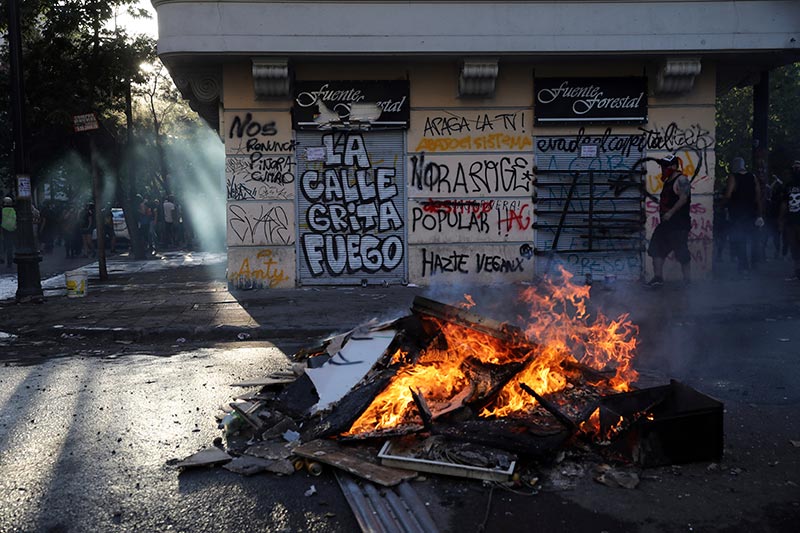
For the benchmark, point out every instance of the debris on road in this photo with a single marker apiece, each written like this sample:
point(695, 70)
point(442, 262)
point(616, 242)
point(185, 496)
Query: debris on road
point(209, 457)
point(450, 392)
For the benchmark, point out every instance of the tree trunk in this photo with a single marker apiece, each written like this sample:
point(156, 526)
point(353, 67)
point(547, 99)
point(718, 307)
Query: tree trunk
point(130, 205)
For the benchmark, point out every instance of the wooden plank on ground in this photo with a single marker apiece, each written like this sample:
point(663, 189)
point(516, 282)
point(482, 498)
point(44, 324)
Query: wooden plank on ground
point(354, 461)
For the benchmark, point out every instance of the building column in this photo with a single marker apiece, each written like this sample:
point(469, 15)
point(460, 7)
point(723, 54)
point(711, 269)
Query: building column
point(760, 127)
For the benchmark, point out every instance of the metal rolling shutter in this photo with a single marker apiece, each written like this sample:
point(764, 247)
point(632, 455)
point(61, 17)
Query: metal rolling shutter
point(334, 247)
point(590, 212)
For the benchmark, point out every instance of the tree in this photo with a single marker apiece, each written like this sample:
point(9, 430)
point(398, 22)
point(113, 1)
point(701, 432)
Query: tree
point(75, 62)
point(735, 122)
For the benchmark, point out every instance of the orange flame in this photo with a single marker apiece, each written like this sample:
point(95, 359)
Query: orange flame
point(558, 328)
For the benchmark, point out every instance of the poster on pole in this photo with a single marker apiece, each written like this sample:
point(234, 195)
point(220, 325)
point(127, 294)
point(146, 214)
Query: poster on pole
point(23, 186)
point(85, 122)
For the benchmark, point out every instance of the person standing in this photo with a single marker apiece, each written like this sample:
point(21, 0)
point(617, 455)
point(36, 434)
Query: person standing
point(672, 232)
point(88, 225)
point(169, 220)
point(774, 196)
point(8, 223)
point(743, 198)
point(155, 206)
point(790, 216)
point(145, 217)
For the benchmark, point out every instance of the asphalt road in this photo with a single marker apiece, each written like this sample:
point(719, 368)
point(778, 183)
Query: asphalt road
point(87, 428)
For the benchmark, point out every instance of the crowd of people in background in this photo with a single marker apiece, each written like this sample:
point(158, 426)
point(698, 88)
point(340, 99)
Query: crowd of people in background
point(162, 225)
point(755, 219)
point(758, 219)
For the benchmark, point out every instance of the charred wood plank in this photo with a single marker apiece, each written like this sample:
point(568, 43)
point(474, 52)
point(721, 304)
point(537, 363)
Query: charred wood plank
point(349, 408)
point(354, 460)
point(516, 436)
point(422, 407)
point(499, 330)
point(551, 408)
point(588, 373)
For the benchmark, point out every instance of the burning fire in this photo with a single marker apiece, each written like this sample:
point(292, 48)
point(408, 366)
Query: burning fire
point(559, 330)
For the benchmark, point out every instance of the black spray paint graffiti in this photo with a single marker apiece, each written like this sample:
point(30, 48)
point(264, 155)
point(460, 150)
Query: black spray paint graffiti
point(490, 176)
point(259, 177)
point(246, 127)
point(270, 221)
point(350, 203)
point(694, 139)
point(455, 262)
point(671, 138)
point(501, 216)
point(452, 124)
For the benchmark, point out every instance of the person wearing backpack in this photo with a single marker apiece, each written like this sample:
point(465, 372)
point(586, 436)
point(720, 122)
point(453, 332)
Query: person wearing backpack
point(8, 223)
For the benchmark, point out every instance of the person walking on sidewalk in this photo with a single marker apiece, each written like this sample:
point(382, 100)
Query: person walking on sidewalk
point(790, 216)
point(169, 221)
point(8, 223)
point(744, 201)
point(672, 232)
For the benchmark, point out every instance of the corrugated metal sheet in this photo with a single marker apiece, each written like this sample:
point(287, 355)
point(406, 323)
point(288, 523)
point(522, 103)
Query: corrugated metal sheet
point(351, 208)
point(384, 509)
point(589, 210)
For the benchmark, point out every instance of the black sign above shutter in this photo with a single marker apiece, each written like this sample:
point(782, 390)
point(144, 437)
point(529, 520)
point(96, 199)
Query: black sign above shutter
point(326, 104)
point(590, 100)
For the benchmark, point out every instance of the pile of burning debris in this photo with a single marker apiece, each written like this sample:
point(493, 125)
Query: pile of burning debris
point(447, 391)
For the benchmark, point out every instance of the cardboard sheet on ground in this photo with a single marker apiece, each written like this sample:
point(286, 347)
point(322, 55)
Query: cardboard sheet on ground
point(348, 366)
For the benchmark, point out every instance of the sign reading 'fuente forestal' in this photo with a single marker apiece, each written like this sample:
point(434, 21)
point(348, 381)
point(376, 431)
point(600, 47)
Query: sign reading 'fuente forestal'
point(318, 104)
point(576, 100)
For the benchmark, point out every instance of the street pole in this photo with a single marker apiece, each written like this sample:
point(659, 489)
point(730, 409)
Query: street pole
point(26, 256)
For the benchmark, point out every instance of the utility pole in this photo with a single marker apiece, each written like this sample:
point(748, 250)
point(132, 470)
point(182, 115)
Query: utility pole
point(26, 256)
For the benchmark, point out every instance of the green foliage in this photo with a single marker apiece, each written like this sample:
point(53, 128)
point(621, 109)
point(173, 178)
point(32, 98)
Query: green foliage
point(735, 123)
point(76, 61)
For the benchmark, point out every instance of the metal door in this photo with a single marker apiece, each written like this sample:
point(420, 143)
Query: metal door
point(351, 208)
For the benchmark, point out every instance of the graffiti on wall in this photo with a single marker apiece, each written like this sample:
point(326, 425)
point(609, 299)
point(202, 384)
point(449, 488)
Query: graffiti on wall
point(468, 131)
point(470, 220)
point(471, 175)
point(260, 163)
point(260, 223)
point(264, 269)
point(610, 150)
point(248, 133)
point(619, 162)
point(260, 177)
point(352, 223)
point(473, 261)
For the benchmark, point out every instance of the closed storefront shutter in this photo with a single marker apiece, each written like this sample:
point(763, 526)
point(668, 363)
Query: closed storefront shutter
point(590, 206)
point(351, 208)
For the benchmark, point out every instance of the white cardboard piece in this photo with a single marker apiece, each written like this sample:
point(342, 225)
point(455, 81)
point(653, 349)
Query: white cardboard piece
point(348, 366)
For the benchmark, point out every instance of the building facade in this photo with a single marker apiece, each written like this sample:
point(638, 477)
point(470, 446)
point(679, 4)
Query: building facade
point(461, 142)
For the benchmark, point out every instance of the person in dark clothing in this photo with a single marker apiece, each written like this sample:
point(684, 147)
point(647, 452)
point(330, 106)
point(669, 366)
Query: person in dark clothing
point(47, 227)
point(790, 216)
point(8, 229)
point(743, 199)
point(87, 227)
point(672, 232)
point(73, 240)
point(774, 196)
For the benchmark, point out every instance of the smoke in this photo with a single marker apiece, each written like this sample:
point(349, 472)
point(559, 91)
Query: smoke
point(197, 175)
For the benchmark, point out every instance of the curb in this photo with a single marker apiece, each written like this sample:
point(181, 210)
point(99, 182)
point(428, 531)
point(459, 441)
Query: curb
point(191, 333)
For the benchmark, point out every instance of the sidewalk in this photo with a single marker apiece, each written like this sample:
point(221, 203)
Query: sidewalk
point(183, 294)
